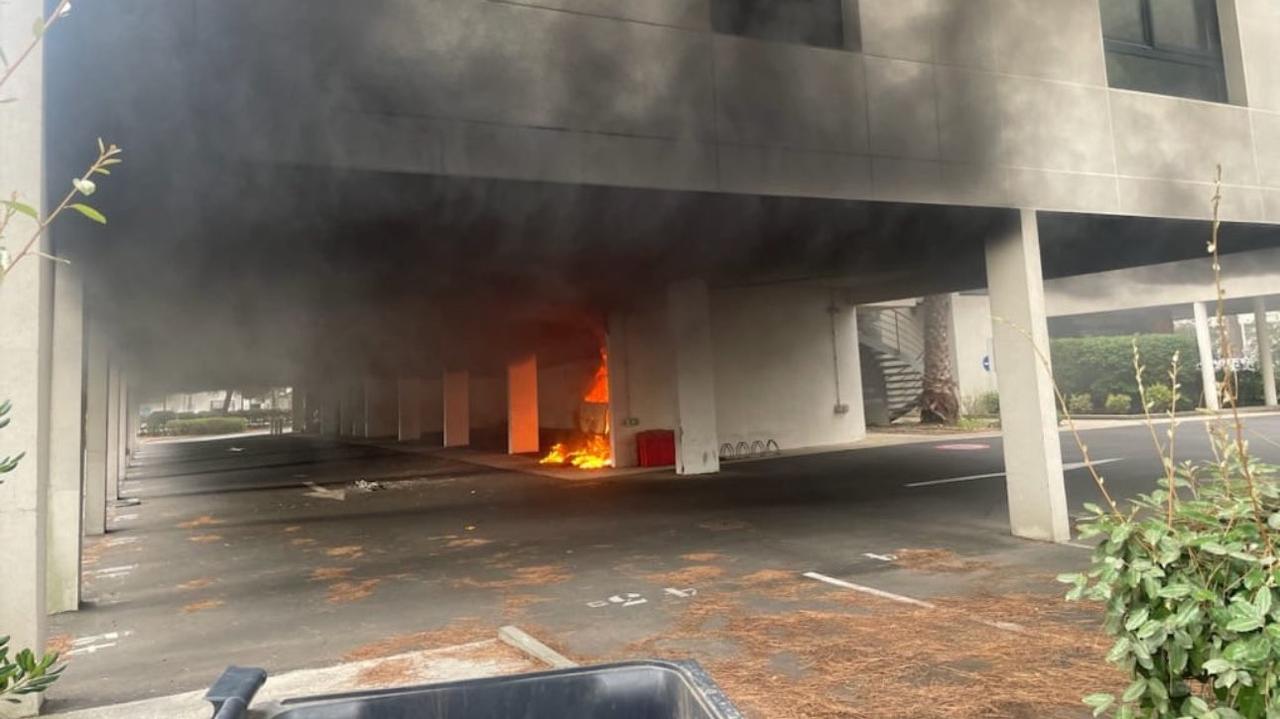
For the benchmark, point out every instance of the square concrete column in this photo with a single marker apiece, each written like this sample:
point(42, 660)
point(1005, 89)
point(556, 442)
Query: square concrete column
point(66, 433)
point(381, 415)
point(298, 409)
point(409, 409)
point(114, 413)
point(95, 433)
point(457, 408)
point(621, 433)
point(522, 405)
point(133, 425)
point(697, 440)
point(26, 295)
point(122, 442)
point(1204, 344)
point(1265, 362)
point(1028, 416)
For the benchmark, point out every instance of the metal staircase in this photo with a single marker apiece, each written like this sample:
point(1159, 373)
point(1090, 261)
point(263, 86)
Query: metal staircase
point(894, 338)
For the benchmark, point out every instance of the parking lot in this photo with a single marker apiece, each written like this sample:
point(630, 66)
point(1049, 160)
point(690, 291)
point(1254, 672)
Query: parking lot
point(821, 585)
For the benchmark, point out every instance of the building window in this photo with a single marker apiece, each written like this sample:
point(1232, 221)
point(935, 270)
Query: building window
point(1169, 47)
point(809, 22)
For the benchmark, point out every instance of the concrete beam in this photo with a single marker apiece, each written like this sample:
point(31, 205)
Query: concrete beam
point(522, 405)
point(1265, 360)
point(1204, 344)
point(457, 408)
point(95, 433)
point(409, 411)
point(689, 315)
point(1032, 454)
point(66, 445)
point(26, 294)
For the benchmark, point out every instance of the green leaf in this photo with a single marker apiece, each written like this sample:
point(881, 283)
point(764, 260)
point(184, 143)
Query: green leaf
point(89, 212)
point(1135, 690)
point(1262, 601)
point(1137, 619)
point(1100, 702)
point(1216, 666)
point(21, 208)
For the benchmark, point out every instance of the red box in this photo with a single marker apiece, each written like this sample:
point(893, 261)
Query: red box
point(656, 448)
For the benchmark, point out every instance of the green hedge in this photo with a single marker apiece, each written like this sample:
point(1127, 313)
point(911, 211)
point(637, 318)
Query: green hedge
point(1103, 366)
point(206, 425)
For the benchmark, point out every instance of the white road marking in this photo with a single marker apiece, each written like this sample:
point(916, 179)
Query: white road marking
point(121, 541)
point(91, 649)
point(881, 557)
point(93, 644)
point(1078, 545)
point(322, 493)
point(992, 475)
point(124, 517)
point(1003, 626)
point(114, 572)
point(681, 593)
point(868, 590)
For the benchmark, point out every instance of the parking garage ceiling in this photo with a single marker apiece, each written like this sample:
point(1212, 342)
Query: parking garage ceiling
point(216, 269)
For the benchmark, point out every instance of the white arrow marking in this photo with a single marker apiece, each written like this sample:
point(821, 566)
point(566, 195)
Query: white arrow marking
point(970, 478)
point(322, 493)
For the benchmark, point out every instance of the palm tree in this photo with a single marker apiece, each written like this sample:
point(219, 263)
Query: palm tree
point(938, 401)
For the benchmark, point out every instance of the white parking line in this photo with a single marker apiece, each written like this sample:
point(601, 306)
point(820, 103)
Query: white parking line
point(868, 590)
point(992, 475)
point(1003, 626)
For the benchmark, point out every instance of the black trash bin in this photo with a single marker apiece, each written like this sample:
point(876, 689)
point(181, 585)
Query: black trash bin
point(628, 690)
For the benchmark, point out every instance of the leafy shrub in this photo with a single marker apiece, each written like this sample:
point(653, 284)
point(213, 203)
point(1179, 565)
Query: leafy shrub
point(1159, 397)
point(155, 422)
point(1119, 403)
point(1189, 581)
point(987, 404)
point(1081, 403)
point(1103, 366)
point(207, 425)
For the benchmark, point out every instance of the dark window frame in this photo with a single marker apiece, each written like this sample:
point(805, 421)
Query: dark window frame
point(1211, 59)
point(850, 34)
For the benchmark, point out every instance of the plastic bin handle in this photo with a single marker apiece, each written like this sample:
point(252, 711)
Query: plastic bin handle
point(232, 693)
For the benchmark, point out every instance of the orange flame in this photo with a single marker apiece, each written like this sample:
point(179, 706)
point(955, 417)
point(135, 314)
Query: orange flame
point(594, 451)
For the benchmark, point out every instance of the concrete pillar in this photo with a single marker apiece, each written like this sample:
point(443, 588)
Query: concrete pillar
point(299, 409)
point(1028, 416)
point(409, 409)
point(95, 433)
point(66, 434)
point(113, 432)
point(1204, 344)
point(131, 424)
point(457, 408)
point(1265, 362)
point(522, 405)
point(381, 416)
point(122, 441)
point(689, 315)
point(622, 434)
point(26, 296)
